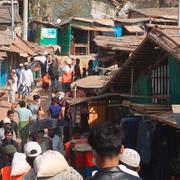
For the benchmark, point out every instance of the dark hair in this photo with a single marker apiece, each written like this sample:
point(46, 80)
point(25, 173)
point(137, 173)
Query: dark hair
point(77, 130)
point(77, 60)
point(41, 131)
point(30, 161)
point(55, 100)
point(105, 139)
point(36, 96)
point(10, 112)
point(8, 130)
point(90, 63)
point(174, 167)
point(22, 103)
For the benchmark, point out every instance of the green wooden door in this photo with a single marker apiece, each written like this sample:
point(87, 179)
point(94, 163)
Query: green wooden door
point(64, 39)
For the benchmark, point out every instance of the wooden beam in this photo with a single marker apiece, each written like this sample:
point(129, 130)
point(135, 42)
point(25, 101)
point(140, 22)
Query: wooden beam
point(162, 26)
point(88, 43)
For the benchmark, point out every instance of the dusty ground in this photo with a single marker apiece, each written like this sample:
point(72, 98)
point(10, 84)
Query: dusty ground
point(5, 106)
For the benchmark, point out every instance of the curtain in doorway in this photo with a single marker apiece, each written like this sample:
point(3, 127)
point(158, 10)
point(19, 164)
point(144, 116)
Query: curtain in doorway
point(174, 75)
point(142, 87)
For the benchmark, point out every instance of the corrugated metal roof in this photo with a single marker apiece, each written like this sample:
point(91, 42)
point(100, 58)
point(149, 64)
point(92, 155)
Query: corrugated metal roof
point(132, 21)
point(18, 46)
point(124, 43)
point(105, 22)
point(94, 28)
point(19, 43)
point(91, 82)
point(5, 15)
point(141, 20)
point(134, 29)
point(41, 49)
point(5, 37)
point(168, 13)
point(142, 61)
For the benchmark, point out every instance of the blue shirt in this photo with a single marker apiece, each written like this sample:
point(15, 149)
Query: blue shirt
point(24, 114)
point(54, 111)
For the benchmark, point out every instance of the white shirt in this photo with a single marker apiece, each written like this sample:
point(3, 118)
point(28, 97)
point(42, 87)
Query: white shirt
point(26, 77)
point(12, 86)
point(129, 171)
point(67, 69)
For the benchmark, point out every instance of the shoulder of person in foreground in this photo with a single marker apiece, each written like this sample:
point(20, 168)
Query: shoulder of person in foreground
point(113, 173)
point(72, 174)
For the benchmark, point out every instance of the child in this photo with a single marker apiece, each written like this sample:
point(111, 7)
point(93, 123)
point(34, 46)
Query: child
point(77, 70)
point(84, 73)
point(45, 82)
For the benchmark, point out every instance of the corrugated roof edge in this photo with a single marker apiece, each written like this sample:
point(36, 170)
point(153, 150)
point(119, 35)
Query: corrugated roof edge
point(147, 38)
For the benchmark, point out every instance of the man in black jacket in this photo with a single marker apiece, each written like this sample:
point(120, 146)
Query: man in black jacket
point(106, 140)
point(54, 74)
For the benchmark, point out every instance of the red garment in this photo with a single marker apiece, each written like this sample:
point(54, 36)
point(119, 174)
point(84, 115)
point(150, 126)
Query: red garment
point(67, 77)
point(89, 159)
point(6, 174)
point(78, 159)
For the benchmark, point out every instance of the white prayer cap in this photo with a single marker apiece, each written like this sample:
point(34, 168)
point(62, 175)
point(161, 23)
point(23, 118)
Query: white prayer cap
point(130, 157)
point(6, 120)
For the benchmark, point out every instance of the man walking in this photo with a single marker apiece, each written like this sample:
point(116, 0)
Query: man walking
point(67, 76)
point(25, 118)
point(33, 153)
point(54, 75)
point(35, 108)
point(12, 86)
point(26, 80)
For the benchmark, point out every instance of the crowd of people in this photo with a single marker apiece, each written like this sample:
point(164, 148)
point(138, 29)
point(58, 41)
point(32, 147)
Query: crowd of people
point(24, 78)
point(111, 160)
point(46, 151)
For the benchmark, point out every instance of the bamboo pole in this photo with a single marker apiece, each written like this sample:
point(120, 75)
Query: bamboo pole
point(132, 79)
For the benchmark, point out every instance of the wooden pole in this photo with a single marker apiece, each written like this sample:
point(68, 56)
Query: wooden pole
point(88, 51)
point(178, 32)
point(132, 79)
point(25, 20)
point(12, 18)
point(75, 91)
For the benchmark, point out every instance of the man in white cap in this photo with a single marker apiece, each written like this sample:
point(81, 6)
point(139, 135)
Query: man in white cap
point(32, 151)
point(26, 80)
point(6, 124)
point(130, 162)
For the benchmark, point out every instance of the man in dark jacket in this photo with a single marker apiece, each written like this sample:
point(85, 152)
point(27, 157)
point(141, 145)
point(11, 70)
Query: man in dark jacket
point(106, 140)
point(54, 74)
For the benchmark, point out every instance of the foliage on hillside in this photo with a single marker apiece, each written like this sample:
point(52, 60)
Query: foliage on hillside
point(53, 9)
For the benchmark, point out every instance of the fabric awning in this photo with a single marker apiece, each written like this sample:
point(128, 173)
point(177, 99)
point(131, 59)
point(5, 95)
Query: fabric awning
point(94, 28)
point(133, 29)
point(91, 82)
